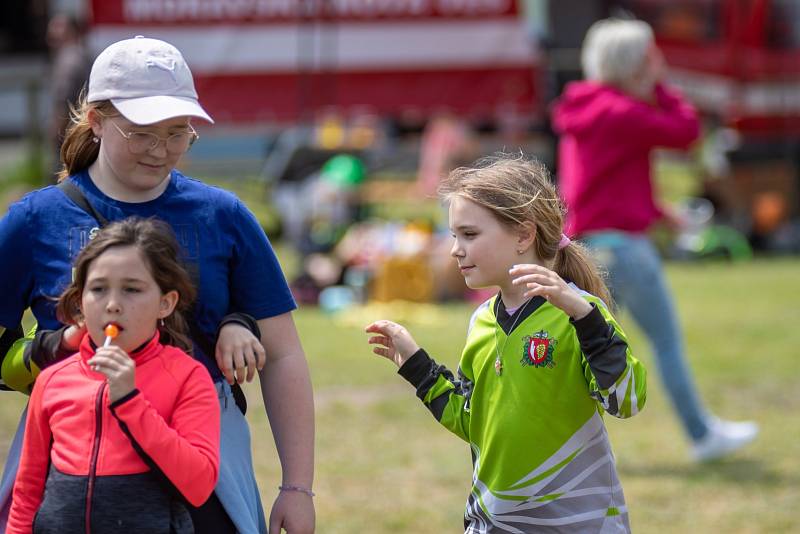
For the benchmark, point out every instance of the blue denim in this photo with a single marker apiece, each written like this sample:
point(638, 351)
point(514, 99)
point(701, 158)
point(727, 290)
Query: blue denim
point(236, 488)
point(636, 280)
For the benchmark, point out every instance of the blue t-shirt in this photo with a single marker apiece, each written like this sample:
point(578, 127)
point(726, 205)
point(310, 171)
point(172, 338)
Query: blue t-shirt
point(224, 247)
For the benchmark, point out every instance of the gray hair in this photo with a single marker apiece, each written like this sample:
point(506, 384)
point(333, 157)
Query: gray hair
point(614, 49)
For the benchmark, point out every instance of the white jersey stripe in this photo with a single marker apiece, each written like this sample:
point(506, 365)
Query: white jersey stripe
point(590, 429)
point(566, 488)
point(556, 521)
point(621, 390)
point(540, 485)
point(634, 399)
point(488, 510)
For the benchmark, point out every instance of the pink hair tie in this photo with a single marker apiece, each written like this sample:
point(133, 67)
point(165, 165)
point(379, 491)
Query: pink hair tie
point(565, 241)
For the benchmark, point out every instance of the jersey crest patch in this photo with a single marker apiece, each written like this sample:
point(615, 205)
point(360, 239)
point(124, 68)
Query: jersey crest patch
point(538, 350)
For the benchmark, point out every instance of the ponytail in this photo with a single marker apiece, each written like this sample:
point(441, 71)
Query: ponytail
point(79, 150)
point(574, 263)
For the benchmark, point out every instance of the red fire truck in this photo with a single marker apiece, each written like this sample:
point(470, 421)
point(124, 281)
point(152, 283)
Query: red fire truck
point(286, 60)
point(281, 60)
point(739, 61)
point(737, 58)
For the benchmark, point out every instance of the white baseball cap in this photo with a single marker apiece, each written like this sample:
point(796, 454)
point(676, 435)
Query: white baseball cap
point(147, 80)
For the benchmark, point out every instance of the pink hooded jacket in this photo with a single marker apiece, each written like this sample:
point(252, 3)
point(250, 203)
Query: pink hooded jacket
point(604, 153)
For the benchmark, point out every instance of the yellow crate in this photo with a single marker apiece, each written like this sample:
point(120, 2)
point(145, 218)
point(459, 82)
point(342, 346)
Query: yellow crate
point(403, 278)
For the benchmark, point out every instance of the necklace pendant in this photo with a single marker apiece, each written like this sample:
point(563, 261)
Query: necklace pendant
point(498, 366)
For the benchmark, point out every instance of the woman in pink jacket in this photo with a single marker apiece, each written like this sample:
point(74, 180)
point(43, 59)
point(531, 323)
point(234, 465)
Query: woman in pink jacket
point(608, 126)
point(125, 433)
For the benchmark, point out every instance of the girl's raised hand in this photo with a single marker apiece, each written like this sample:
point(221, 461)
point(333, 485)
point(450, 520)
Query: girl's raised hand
point(119, 368)
point(541, 281)
point(393, 340)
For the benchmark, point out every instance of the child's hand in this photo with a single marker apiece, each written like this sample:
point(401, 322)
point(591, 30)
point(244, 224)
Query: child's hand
point(119, 368)
point(239, 351)
point(71, 338)
point(543, 282)
point(398, 345)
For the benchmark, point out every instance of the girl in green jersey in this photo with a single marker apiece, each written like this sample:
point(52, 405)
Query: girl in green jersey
point(543, 360)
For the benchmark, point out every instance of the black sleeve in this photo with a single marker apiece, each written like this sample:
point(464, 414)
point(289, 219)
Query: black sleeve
point(247, 321)
point(604, 350)
point(45, 349)
point(423, 372)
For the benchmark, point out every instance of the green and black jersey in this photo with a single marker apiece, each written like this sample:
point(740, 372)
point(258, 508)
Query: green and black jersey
point(528, 398)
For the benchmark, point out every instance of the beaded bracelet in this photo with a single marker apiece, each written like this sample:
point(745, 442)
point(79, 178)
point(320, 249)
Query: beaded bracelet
point(285, 487)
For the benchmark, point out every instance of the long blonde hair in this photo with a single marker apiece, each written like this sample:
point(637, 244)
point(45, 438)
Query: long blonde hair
point(79, 149)
point(518, 190)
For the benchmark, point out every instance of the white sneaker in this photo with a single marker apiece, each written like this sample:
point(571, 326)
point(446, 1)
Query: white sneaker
point(723, 438)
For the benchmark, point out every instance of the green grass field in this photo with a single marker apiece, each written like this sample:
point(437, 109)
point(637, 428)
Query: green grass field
point(385, 466)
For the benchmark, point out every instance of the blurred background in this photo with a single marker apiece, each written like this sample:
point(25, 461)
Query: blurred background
point(410, 88)
point(335, 120)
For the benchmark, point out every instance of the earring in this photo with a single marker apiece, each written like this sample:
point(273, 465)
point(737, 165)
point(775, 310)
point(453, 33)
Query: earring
point(520, 252)
point(161, 322)
point(95, 139)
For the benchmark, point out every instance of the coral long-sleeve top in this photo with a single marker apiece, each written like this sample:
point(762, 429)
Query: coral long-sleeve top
point(82, 449)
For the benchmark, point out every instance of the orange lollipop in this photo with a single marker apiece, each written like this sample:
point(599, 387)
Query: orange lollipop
point(111, 331)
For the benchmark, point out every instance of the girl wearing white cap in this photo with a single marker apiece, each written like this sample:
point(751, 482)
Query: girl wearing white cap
point(120, 156)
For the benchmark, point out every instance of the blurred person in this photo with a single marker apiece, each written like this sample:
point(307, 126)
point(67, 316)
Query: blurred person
point(71, 62)
point(447, 142)
point(119, 158)
point(150, 410)
point(334, 200)
point(544, 358)
point(609, 125)
point(296, 165)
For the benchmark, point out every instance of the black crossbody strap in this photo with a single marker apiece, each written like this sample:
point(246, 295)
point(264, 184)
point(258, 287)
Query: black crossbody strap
point(77, 196)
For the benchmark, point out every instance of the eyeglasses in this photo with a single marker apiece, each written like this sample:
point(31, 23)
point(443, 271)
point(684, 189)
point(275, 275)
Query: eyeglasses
point(141, 142)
